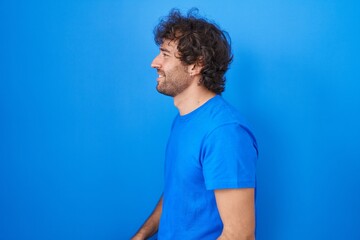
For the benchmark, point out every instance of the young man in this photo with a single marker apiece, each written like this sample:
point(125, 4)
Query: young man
point(211, 153)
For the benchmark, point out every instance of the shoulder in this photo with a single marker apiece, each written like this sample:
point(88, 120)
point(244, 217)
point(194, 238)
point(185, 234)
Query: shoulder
point(222, 113)
point(225, 121)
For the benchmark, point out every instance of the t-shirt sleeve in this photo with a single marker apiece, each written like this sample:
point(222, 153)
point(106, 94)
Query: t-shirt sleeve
point(229, 158)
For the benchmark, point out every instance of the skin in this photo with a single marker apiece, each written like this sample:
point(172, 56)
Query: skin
point(237, 212)
point(178, 80)
point(236, 206)
point(151, 225)
point(173, 76)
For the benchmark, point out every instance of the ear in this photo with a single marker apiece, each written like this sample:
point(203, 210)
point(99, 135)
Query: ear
point(195, 69)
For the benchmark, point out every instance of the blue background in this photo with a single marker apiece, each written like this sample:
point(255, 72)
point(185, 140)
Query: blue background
point(83, 130)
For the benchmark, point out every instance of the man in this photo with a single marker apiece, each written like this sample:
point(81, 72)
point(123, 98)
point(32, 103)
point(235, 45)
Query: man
point(211, 153)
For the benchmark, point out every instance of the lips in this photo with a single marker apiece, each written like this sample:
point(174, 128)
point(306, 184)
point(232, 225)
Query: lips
point(160, 75)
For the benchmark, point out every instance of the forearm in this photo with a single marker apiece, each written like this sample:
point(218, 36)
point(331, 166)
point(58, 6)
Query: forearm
point(232, 236)
point(151, 225)
point(148, 229)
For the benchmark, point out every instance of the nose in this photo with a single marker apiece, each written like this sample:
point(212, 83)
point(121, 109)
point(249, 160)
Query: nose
point(156, 63)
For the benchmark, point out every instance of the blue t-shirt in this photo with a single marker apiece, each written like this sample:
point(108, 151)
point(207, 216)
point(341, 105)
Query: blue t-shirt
point(209, 148)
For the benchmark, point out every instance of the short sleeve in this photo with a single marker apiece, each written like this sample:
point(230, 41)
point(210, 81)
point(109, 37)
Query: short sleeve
point(229, 158)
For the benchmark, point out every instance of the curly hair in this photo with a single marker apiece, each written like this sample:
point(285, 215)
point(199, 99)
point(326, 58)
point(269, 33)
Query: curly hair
point(199, 41)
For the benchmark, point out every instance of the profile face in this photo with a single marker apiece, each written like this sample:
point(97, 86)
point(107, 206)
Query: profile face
point(173, 77)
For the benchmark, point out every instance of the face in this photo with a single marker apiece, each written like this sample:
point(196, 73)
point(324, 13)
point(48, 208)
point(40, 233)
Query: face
point(174, 77)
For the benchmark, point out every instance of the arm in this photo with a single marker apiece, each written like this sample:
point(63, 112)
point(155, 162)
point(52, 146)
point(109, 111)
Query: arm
point(151, 225)
point(237, 212)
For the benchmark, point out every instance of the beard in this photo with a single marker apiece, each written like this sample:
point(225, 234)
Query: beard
point(174, 82)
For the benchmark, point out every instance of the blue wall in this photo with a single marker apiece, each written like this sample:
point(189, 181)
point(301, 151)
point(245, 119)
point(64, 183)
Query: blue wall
point(83, 130)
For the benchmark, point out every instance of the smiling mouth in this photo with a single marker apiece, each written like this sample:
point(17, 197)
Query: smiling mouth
point(160, 75)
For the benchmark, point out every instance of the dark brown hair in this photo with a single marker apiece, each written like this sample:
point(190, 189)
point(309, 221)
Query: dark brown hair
point(199, 41)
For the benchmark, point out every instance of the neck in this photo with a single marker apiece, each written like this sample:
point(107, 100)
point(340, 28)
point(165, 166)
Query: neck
point(192, 98)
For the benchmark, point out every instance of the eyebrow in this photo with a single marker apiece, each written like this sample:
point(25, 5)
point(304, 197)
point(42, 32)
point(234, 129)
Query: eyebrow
point(164, 50)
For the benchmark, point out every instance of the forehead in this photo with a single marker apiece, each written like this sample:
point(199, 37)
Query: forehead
point(169, 45)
